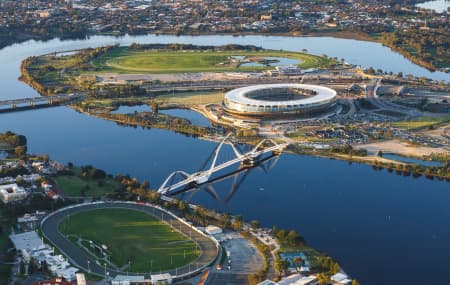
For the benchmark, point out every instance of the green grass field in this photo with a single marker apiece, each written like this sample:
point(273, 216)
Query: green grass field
point(123, 60)
point(421, 122)
point(131, 235)
point(73, 185)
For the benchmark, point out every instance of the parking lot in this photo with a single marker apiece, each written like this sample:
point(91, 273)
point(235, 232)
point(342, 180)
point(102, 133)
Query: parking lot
point(245, 259)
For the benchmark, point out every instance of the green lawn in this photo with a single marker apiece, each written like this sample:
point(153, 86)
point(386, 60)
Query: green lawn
point(73, 185)
point(421, 122)
point(132, 235)
point(125, 61)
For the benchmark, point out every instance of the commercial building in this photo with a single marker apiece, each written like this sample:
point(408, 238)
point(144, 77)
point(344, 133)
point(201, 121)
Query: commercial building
point(29, 244)
point(279, 99)
point(11, 193)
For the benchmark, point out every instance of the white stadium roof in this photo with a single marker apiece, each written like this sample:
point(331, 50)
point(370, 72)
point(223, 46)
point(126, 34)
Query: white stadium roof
point(323, 94)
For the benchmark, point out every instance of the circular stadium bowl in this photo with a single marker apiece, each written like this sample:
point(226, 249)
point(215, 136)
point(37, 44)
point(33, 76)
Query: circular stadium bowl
point(279, 99)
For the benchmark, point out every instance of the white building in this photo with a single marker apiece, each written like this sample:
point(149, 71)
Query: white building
point(164, 278)
point(295, 279)
point(26, 243)
point(213, 230)
point(81, 279)
point(12, 192)
point(129, 280)
point(31, 245)
point(340, 278)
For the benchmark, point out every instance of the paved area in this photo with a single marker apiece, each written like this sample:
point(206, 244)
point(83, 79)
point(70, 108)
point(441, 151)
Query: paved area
point(245, 259)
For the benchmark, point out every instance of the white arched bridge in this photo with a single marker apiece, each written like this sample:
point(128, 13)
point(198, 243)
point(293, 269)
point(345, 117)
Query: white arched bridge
point(203, 176)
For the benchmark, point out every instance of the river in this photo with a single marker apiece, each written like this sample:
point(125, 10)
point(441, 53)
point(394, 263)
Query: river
point(439, 6)
point(382, 228)
point(361, 53)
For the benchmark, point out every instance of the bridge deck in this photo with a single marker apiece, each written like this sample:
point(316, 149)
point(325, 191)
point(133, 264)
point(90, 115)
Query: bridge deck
point(206, 174)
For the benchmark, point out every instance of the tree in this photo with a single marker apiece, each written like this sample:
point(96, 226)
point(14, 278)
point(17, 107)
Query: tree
point(281, 265)
point(281, 234)
point(274, 229)
point(370, 71)
point(20, 150)
point(31, 266)
point(255, 224)
point(323, 279)
point(22, 268)
point(298, 261)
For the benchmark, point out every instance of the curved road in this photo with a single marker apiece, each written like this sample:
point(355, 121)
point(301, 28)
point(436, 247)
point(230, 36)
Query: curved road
point(79, 258)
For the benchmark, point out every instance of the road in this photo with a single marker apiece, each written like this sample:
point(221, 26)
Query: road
point(84, 261)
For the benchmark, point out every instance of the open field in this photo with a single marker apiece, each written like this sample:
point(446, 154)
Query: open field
point(76, 185)
point(401, 148)
point(133, 236)
point(192, 98)
point(123, 60)
point(421, 122)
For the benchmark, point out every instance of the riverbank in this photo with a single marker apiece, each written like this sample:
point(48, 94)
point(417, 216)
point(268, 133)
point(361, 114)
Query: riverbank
point(340, 34)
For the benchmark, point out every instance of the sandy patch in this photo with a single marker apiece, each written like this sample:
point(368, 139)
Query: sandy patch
point(402, 148)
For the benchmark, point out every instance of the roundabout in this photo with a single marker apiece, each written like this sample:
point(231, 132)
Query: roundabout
point(126, 238)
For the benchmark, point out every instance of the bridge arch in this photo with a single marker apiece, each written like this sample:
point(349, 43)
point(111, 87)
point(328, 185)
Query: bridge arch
point(172, 175)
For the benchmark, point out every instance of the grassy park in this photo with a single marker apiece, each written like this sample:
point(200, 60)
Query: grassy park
point(132, 236)
point(76, 184)
point(421, 122)
point(124, 60)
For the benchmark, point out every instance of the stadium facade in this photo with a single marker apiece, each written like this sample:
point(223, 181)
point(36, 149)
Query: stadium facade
point(279, 99)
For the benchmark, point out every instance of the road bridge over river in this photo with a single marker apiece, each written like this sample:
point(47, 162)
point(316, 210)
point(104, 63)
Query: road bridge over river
point(11, 105)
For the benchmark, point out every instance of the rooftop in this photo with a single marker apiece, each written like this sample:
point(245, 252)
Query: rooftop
point(323, 94)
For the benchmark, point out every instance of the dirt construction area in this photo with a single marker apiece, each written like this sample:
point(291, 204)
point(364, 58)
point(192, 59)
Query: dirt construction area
point(402, 148)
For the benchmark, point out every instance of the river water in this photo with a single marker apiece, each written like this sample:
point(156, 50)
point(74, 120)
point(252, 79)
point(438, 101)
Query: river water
point(439, 6)
point(382, 228)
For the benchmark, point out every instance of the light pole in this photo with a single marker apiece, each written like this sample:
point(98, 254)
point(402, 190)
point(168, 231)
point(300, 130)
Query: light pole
point(89, 267)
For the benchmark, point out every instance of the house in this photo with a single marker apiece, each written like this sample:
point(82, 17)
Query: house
point(11, 193)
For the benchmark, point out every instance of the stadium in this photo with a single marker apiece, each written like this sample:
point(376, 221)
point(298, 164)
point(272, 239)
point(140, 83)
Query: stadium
point(279, 100)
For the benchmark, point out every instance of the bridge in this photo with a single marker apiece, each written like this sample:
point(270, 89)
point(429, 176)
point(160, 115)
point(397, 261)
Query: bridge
point(41, 101)
point(249, 159)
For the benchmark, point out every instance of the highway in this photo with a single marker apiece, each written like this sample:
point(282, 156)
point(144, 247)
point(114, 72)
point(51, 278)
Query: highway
point(80, 259)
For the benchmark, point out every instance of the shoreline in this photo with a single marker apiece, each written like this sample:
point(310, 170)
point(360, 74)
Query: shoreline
point(358, 36)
